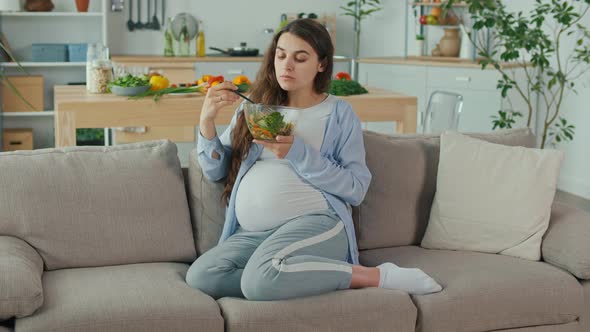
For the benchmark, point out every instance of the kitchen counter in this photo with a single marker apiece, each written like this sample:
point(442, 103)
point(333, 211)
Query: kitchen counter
point(189, 60)
point(75, 108)
point(420, 62)
point(195, 59)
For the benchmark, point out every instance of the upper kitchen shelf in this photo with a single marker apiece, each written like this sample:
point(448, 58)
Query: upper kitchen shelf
point(52, 14)
point(43, 64)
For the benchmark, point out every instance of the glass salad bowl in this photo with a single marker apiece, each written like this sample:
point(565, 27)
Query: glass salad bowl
point(265, 122)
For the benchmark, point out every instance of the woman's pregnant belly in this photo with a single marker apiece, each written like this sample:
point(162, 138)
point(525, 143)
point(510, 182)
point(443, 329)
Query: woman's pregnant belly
point(271, 193)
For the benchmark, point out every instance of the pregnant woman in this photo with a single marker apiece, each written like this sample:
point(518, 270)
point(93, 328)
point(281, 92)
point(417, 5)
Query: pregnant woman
point(288, 229)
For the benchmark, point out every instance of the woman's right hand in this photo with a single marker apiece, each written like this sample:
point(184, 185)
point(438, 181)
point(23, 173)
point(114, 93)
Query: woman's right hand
point(218, 97)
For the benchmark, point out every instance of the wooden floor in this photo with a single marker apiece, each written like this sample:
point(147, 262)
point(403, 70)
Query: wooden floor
point(573, 200)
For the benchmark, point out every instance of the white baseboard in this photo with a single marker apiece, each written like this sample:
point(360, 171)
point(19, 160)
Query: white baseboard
point(574, 186)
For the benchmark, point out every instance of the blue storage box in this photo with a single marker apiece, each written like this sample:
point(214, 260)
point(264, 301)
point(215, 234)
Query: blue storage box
point(77, 52)
point(50, 53)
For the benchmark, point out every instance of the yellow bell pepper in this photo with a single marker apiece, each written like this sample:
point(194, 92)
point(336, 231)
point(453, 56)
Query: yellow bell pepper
point(158, 83)
point(241, 79)
point(203, 79)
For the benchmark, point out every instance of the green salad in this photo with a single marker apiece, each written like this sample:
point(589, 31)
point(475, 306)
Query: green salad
point(129, 80)
point(268, 126)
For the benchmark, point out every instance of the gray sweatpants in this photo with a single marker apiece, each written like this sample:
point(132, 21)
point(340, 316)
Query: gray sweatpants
point(305, 256)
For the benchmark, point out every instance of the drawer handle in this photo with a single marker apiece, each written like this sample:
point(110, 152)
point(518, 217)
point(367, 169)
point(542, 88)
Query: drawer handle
point(15, 142)
point(235, 72)
point(463, 79)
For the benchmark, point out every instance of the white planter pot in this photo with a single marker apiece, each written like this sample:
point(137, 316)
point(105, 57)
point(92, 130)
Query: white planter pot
point(419, 47)
point(467, 47)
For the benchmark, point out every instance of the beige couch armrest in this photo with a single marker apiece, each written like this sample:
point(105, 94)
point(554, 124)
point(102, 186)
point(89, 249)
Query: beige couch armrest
point(21, 288)
point(566, 243)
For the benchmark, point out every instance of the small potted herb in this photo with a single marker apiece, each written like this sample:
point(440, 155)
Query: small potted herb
point(419, 45)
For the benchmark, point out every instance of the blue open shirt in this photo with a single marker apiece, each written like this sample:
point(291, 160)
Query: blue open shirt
point(338, 170)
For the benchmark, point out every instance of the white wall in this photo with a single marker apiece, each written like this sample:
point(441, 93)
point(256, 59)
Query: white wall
point(229, 22)
point(226, 24)
point(575, 172)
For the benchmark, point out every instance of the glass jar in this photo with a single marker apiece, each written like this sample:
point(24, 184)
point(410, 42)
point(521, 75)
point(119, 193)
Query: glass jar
point(95, 52)
point(99, 76)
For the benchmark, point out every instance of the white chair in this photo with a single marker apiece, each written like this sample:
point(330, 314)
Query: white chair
point(442, 112)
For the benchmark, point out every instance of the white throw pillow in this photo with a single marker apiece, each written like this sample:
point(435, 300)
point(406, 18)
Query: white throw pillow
point(492, 198)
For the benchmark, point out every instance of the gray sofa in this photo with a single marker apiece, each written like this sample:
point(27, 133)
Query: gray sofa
point(100, 239)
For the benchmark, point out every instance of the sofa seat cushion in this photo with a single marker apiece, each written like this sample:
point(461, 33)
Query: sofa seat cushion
point(483, 292)
point(139, 297)
point(21, 268)
point(585, 320)
point(369, 309)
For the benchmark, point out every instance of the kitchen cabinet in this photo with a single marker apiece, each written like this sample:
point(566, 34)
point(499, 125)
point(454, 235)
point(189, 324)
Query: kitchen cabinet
point(478, 87)
point(177, 72)
point(410, 80)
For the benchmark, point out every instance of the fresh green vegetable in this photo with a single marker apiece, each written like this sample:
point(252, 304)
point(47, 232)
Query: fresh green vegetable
point(274, 122)
point(159, 93)
point(129, 80)
point(267, 127)
point(243, 87)
point(346, 88)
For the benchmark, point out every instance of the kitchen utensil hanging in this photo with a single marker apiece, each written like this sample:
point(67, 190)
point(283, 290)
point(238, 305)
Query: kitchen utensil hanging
point(130, 23)
point(155, 22)
point(152, 22)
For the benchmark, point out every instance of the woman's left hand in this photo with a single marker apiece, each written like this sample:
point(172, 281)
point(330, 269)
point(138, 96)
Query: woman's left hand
point(280, 148)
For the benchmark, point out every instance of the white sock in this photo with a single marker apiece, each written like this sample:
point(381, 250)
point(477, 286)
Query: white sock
point(413, 281)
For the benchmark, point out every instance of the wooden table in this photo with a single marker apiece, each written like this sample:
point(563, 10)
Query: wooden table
point(75, 108)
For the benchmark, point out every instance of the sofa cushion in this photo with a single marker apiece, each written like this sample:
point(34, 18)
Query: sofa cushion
point(5, 328)
point(396, 208)
point(206, 208)
point(483, 292)
point(97, 206)
point(137, 297)
point(369, 309)
point(567, 327)
point(492, 198)
point(21, 267)
point(566, 242)
point(585, 319)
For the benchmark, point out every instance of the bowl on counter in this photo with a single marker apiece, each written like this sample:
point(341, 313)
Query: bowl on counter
point(265, 122)
point(129, 90)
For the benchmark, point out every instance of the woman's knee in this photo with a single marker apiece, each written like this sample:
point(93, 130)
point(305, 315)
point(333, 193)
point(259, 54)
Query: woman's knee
point(206, 277)
point(196, 275)
point(260, 282)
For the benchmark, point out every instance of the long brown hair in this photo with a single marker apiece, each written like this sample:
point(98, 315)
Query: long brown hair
point(266, 89)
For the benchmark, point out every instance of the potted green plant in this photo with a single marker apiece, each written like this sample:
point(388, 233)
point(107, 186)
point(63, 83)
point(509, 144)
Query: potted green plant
point(536, 41)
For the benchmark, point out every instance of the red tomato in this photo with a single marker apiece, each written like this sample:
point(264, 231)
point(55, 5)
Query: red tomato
point(423, 20)
point(343, 76)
